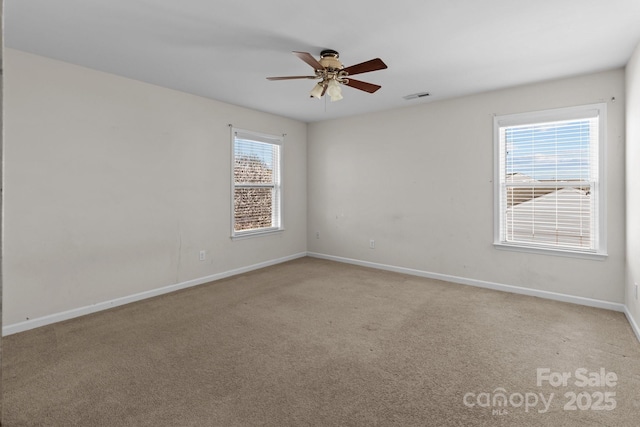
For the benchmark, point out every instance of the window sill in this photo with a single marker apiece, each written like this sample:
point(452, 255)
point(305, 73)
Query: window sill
point(256, 233)
point(550, 251)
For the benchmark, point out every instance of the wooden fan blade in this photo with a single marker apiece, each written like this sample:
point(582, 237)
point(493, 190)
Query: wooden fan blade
point(291, 77)
point(309, 59)
point(367, 87)
point(365, 67)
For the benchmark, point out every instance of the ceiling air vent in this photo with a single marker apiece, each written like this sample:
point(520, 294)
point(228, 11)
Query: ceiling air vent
point(416, 95)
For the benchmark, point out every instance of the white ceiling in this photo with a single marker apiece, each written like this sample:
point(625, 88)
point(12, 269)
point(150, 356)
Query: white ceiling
point(224, 49)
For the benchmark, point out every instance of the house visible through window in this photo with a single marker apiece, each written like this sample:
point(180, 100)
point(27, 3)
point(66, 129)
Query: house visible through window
point(256, 183)
point(549, 192)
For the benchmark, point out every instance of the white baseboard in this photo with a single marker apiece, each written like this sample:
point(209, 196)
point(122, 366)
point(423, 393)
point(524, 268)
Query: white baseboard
point(480, 283)
point(632, 322)
point(81, 311)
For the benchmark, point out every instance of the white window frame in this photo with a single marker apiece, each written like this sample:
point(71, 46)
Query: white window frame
point(598, 188)
point(277, 211)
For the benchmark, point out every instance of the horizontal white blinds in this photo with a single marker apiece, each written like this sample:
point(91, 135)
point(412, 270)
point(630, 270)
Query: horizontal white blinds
point(256, 182)
point(257, 137)
point(255, 162)
point(548, 183)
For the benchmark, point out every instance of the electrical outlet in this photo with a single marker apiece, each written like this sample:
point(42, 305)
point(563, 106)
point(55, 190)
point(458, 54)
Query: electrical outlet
point(317, 234)
point(372, 244)
point(203, 255)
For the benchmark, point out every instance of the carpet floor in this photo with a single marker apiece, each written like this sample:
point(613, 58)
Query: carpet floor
point(318, 343)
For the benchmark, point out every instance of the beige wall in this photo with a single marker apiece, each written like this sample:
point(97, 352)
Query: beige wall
point(418, 180)
point(633, 183)
point(113, 186)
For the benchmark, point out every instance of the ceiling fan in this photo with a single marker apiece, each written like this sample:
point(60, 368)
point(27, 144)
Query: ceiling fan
point(331, 73)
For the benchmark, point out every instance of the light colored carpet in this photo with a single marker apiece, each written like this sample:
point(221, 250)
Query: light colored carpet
point(318, 343)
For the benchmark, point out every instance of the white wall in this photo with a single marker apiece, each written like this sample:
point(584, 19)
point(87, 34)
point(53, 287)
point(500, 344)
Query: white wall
point(113, 186)
point(633, 184)
point(418, 180)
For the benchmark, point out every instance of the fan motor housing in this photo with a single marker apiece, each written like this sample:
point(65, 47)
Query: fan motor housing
point(329, 59)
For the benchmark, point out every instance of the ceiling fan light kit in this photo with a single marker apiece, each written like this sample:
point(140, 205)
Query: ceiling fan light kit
point(334, 91)
point(331, 73)
point(317, 91)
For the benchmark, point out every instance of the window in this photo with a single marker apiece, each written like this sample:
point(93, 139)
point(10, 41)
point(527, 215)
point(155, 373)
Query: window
point(257, 192)
point(549, 190)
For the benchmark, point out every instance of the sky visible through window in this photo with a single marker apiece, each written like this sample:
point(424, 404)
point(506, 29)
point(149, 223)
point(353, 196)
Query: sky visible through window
point(549, 151)
point(261, 150)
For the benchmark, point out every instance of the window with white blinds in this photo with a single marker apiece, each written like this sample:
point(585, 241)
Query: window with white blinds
point(549, 192)
point(257, 190)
